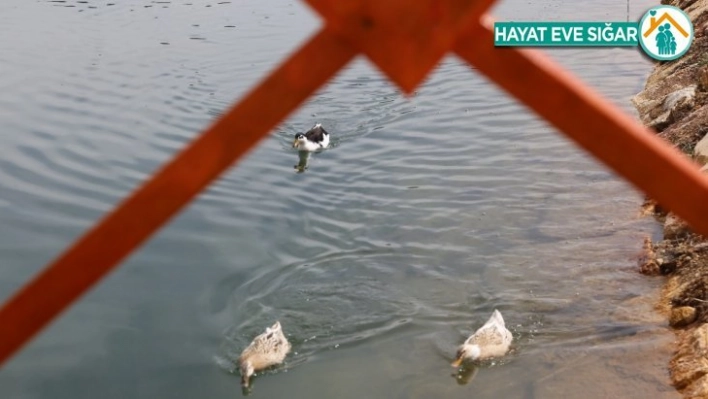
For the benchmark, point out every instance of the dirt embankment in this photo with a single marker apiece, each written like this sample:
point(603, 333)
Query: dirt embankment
point(675, 104)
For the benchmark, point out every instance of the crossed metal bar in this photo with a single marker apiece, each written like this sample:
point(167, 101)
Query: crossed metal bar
point(405, 39)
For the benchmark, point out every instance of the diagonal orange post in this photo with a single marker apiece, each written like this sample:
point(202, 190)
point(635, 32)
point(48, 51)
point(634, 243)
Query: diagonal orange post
point(405, 39)
point(592, 122)
point(153, 204)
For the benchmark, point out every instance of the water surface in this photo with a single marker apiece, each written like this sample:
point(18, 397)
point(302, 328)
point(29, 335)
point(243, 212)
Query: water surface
point(426, 214)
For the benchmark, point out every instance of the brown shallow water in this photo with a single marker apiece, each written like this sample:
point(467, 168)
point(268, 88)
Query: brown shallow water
point(425, 215)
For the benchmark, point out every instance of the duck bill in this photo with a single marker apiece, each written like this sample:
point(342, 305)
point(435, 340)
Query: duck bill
point(295, 143)
point(245, 381)
point(457, 362)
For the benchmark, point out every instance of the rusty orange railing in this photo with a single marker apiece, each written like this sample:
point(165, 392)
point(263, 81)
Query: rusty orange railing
point(405, 39)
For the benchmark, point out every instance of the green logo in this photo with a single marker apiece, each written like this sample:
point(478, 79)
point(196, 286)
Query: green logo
point(664, 33)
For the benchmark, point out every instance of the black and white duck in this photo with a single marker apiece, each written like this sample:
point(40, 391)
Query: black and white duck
point(317, 138)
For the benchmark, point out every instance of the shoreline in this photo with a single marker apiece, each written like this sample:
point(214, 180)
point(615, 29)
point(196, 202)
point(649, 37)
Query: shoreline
point(674, 103)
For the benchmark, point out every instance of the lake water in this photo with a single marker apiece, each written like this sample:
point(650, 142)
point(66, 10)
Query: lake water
point(424, 216)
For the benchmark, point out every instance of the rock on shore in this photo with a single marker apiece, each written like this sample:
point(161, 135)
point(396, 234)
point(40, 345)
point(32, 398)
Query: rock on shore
point(675, 104)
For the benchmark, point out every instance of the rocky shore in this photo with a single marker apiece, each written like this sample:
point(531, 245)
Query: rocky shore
point(675, 104)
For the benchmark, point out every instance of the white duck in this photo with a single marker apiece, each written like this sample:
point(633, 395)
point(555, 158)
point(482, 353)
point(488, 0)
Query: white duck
point(491, 340)
point(267, 349)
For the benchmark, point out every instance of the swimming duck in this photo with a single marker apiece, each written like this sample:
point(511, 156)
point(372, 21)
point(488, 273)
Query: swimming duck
point(267, 349)
point(491, 340)
point(314, 139)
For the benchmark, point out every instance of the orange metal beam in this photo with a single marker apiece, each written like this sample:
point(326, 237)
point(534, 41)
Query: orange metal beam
point(168, 191)
point(595, 124)
point(405, 39)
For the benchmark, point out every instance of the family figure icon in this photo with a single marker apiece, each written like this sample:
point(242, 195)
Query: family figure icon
point(665, 40)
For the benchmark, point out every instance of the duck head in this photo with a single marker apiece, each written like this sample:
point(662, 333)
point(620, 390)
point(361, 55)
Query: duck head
point(299, 140)
point(466, 351)
point(246, 373)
